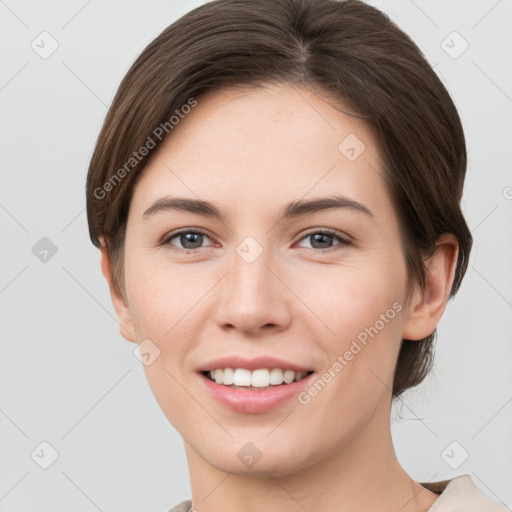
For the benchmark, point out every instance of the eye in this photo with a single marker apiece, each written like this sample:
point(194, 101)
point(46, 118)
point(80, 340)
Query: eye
point(192, 239)
point(188, 239)
point(322, 239)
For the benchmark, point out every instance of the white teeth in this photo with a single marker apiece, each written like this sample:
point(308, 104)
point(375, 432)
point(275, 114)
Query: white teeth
point(260, 378)
point(228, 375)
point(218, 376)
point(289, 376)
point(276, 376)
point(241, 377)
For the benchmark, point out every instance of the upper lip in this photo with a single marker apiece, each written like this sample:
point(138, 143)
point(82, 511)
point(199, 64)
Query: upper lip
point(252, 364)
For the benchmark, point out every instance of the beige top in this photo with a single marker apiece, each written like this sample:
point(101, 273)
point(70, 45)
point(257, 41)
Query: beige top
point(459, 494)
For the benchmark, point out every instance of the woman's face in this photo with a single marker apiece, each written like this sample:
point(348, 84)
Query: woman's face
point(264, 279)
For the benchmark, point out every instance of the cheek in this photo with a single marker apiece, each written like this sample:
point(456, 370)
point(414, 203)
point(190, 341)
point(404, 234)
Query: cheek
point(362, 307)
point(164, 305)
point(351, 297)
point(161, 296)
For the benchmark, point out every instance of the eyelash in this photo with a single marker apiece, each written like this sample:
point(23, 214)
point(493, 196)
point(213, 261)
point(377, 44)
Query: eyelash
point(344, 240)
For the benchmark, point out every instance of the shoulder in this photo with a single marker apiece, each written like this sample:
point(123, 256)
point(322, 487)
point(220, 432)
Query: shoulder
point(184, 506)
point(460, 494)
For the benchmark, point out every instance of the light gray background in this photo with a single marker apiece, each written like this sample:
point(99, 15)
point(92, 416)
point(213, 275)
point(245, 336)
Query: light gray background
point(66, 375)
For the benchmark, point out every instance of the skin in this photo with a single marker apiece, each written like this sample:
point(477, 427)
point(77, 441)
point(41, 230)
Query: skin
point(251, 151)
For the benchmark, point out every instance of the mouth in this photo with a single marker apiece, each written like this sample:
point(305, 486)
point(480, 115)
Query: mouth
point(257, 380)
point(254, 385)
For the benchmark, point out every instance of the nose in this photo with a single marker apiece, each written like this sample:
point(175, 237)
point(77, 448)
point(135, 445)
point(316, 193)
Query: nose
point(253, 297)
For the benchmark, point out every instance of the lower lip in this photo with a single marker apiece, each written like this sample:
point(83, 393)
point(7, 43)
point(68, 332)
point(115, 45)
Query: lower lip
point(251, 401)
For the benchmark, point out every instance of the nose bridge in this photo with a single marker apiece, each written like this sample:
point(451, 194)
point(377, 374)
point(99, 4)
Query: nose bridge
point(251, 295)
point(251, 278)
point(250, 267)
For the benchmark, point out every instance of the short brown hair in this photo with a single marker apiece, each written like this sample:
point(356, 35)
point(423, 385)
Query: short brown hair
point(344, 47)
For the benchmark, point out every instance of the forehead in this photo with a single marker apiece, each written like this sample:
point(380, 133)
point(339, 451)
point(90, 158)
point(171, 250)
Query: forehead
point(251, 116)
point(282, 139)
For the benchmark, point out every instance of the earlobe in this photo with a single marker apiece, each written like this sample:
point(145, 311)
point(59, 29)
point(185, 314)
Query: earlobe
point(427, 307)
point(126, 327)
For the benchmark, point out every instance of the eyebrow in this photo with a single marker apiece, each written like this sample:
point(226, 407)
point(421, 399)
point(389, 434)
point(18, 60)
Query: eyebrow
point(294, 209)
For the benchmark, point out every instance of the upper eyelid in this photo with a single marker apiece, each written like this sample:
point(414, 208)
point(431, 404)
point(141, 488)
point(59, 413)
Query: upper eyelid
point(329, 231)
point(172, 234)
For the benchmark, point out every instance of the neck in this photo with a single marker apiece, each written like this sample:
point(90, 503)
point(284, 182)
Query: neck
point(362, 474)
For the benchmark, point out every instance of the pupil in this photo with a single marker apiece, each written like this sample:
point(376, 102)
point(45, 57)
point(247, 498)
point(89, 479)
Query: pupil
point(320, 236)
point(191, 237)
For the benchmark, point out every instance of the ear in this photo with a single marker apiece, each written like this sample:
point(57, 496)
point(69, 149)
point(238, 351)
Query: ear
point(426, 308)
point(126, 327)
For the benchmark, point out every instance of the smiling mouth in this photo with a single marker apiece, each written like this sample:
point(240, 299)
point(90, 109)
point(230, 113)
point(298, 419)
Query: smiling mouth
point(260, 379)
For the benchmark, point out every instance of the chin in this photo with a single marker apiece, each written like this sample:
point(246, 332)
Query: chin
point(248, 458)
point(276, 467)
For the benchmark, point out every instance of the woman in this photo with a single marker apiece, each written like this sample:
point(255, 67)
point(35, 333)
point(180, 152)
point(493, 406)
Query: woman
point(276, 195)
